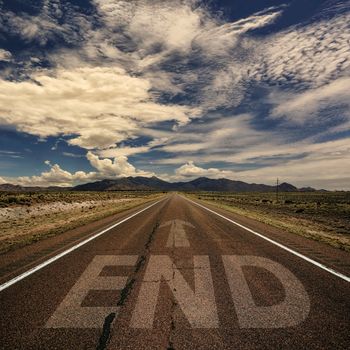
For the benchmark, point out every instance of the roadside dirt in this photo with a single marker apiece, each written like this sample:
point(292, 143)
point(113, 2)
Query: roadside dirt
point(23, 225)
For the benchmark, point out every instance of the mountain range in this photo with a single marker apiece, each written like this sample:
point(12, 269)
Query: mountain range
point(156, 184)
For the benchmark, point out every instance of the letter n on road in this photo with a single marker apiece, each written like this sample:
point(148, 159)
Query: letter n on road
point(198, 305)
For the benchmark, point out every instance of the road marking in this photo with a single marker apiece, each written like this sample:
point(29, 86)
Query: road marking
point(51, 260)
point(314, 262)
point(71, 314)
point(291, 311)
point(177, 235)
point(198, 304)
point(196, 300)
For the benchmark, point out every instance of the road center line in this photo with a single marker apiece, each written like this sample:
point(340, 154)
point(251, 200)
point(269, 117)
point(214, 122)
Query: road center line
point(314, 262)
point(51, 260)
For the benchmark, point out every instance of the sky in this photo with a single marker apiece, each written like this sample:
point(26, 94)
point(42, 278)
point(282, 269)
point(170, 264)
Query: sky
point(248, 90)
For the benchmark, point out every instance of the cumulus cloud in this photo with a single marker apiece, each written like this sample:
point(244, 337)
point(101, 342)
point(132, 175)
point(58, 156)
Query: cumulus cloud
point(105, 168)
point(56, 176)
point(119, 167)
point(191, 171)
point(101, 106)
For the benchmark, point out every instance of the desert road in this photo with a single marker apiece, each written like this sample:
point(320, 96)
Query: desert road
point(176, 274)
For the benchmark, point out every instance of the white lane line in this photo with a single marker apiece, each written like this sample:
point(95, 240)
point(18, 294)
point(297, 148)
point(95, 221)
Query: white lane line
point(51, 260)
point(316, 263)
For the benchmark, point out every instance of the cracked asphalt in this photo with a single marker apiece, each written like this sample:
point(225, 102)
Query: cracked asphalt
point(180, 297)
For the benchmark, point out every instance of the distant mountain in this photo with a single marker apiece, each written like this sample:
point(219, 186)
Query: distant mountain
point(17, 188)
point(308, 189)
point(125, 183)
point(10, 188)
point(141, 183)
point(286, 187)
point(200, 184)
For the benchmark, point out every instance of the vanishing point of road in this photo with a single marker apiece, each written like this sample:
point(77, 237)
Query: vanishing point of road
point(175, 274)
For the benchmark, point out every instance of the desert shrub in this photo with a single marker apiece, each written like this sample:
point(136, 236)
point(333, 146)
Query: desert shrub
point(12, 199)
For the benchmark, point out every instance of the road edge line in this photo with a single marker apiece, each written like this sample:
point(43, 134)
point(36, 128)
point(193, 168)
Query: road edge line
point(302, 256)
point(71, 249)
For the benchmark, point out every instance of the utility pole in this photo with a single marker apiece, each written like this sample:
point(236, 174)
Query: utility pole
point(277, 183)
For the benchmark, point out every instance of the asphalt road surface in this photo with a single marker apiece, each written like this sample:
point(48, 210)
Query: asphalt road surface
point(176, 276)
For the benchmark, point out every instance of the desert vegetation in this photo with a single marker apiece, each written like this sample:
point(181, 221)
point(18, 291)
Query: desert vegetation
point(32, 216)
point(322, 216)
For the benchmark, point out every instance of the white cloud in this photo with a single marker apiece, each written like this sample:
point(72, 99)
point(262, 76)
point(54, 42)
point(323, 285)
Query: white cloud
point(170, 25)
point(219, 39)
point(158, 140)
point(307, 55)
point(326, 165)
point(5, 55)
point(301, 107)
point(191, 171)
point(233, 141)
point(120, 167)
point(159, 32)
point(123, 151)
point(215, 137)
point(72, 155)
point(323, 170)
point(56, 176)
point(141, 35)
point(102, 106)
point(2, 181)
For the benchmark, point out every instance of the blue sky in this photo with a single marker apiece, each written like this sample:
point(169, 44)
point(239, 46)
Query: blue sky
point(247, 90)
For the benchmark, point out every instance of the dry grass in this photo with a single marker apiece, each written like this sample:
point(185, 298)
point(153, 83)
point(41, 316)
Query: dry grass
point(29, 217)
point(321, 216)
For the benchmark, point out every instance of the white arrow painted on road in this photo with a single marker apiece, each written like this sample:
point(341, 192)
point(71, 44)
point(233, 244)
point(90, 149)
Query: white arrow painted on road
point(177, 236)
